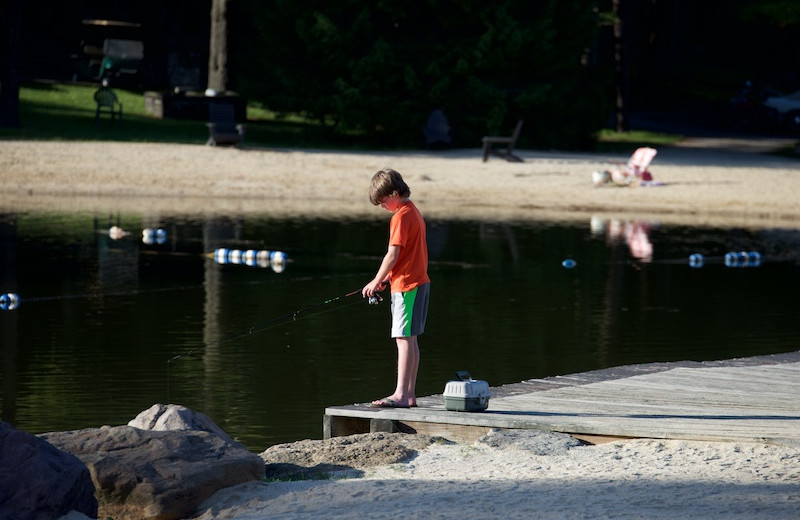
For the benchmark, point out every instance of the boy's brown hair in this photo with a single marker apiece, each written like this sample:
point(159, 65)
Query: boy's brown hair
point(386, 183)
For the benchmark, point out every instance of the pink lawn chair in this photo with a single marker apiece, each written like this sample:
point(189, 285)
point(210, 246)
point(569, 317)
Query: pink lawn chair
point(636, 169)
point(639, 161)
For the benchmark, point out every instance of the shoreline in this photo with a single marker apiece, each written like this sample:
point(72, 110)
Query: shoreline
point(702, 187)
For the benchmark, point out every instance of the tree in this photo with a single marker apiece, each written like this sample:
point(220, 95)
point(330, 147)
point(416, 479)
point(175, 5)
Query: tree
point(620, 68)
point(378, 69)
point(218, 47)
point(9, 76)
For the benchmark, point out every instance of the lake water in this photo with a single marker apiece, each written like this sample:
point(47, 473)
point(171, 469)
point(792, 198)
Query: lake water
point(107, 327)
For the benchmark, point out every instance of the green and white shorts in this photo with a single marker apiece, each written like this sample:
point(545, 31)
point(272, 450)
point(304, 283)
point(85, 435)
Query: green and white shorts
point(410, 311)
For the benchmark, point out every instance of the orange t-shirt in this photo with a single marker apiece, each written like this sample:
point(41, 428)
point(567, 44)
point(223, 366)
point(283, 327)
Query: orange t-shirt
point(407, 230)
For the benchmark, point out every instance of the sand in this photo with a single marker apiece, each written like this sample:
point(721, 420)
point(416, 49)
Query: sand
point(726, 183)
point(705, 182)
point(634, 479)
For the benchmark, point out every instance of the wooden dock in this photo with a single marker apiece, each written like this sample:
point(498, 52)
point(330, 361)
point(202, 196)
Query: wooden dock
point(748, 399)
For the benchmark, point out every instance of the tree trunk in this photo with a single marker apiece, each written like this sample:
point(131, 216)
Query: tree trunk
point(620, 68)
point(11, 29)
point(218, 48)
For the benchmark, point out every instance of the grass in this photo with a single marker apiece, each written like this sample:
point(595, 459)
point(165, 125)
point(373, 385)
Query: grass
point(611, 141)
point(66, 112)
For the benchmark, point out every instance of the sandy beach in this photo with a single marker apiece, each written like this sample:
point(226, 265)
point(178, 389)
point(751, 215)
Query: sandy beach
point(725, 183)
point(705, 182)
point(634, 479)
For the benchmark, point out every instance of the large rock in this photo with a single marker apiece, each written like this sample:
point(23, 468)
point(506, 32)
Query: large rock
point(165, 417)
point(318, 459)
point(37, 481)
point(158, 475)
point(538, 442)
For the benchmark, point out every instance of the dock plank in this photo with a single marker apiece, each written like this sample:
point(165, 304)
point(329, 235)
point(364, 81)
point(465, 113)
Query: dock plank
point(752, 399)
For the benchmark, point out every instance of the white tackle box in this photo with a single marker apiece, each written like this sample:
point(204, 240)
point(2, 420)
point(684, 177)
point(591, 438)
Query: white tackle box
point(466, 394)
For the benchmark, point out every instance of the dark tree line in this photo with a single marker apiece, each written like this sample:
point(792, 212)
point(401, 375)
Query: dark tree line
point(382, 67)
point(10, 43)
point(379, 68)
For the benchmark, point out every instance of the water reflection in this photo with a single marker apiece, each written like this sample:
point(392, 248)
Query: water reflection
point(634, 233)
point(109, 325)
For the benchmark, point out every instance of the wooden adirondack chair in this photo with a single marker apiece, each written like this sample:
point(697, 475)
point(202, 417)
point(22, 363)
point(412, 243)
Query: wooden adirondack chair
point(107, 102)
point(437, 131)
point(222, 125)
point(506, 153)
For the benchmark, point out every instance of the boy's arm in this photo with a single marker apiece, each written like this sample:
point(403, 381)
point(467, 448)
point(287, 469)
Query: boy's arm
point(389, 259)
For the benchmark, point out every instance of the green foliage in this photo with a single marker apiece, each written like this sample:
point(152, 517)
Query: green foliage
point(781, 13)
point(378, 69)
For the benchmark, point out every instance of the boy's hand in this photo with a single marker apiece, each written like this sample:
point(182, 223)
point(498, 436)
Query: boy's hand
point(372, 287)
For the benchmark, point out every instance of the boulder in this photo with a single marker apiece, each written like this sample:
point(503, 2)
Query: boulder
point(158, 475)
point(75, 515)
point(37, 481)
point(164, 417)
point(318, 459)
point(542, 443)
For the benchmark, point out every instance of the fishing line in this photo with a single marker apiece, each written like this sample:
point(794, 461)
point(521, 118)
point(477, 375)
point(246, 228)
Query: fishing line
point(281, 320)
point(278, 321)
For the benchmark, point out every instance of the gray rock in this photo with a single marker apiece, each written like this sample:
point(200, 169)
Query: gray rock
point(159, 475)
point(75, 515)
point(37, 481)
point(317, 459)
point(166, 417)
point(534, 441)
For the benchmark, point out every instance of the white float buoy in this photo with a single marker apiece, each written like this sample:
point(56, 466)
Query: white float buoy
point(252, 258)
point(221, 255)
point(116, 232)
point(161, 236)
point(9, 301)
point(148, 236)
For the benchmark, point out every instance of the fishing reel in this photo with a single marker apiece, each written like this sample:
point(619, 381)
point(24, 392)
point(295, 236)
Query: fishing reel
point(376, 298)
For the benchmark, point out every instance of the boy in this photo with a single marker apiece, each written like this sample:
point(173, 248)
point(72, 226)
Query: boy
point(405, 268)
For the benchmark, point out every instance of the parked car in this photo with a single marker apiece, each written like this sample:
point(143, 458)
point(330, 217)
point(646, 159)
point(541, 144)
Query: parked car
point(787, 109)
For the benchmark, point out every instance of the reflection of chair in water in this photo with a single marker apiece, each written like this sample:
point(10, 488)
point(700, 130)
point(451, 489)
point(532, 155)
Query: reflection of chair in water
point(509, 142)
point(635, 234)
point(222, 126)
point(107, 102)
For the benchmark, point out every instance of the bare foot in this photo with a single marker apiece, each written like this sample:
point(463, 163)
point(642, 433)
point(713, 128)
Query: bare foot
point(388, 402)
